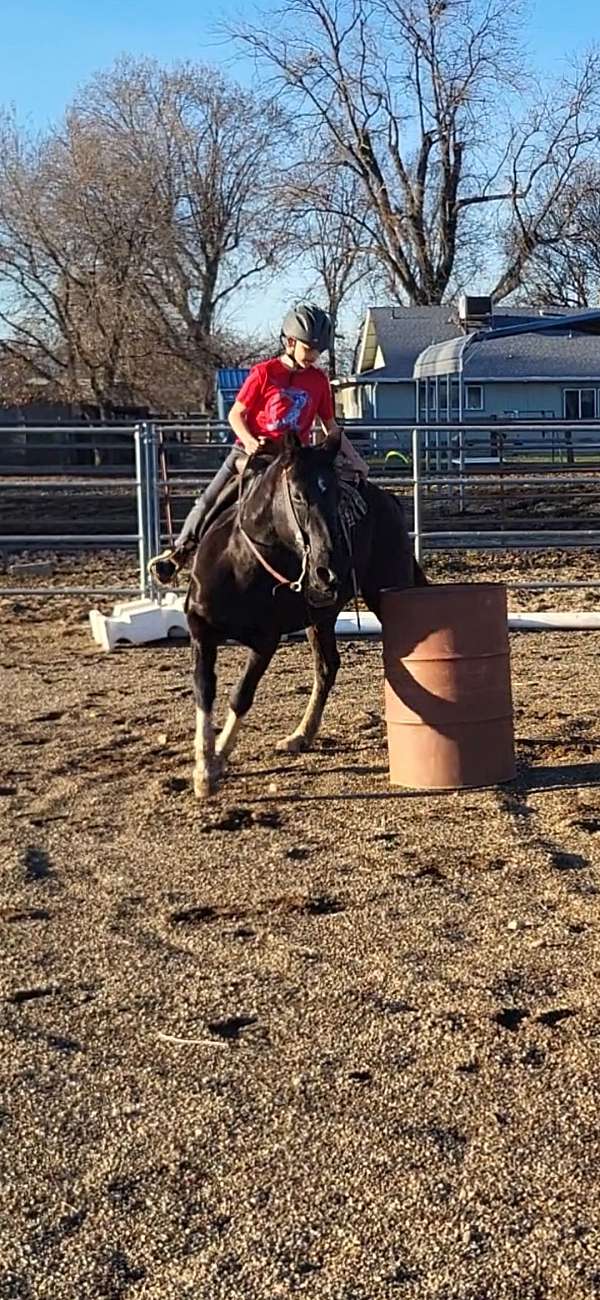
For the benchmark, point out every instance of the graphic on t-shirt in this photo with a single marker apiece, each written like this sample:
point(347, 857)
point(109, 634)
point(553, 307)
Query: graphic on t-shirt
point(285, 409)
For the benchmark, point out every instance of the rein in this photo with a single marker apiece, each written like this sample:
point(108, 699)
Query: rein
point(294, 585)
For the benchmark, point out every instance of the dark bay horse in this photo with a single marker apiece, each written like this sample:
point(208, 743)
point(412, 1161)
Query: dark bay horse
point(276, 562)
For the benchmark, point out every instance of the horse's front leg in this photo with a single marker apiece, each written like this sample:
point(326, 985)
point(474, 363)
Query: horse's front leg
point(326, 661)
point(204, 658)
point(242, 699)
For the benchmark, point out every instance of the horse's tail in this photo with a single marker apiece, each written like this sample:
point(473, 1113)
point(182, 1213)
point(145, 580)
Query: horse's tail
point(388, 560)
point(396, 505)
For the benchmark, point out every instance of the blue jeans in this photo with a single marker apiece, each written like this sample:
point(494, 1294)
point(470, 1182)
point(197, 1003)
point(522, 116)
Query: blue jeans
point(228, 470)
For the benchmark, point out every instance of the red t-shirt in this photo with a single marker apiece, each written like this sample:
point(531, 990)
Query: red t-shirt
point(277, 398)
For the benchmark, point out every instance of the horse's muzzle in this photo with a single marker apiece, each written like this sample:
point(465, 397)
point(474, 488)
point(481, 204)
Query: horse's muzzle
point(322, 587)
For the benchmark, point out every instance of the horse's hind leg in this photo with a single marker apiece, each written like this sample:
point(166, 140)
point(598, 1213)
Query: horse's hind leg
point(326, 661)
point(242, 698)
point(204, 658)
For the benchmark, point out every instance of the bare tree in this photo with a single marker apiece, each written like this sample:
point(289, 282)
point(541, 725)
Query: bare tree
point(72, 249)
point(564, 268)
point(209, 153)
point(127, 234)
point(408, 92)
point(552, 150)
point(322, 203)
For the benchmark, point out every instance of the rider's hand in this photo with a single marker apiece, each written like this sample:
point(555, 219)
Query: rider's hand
point(352, 458)
point(265, 447)
point(251, 444)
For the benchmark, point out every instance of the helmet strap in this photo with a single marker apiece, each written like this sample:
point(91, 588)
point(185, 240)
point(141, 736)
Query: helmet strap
point(292, 354)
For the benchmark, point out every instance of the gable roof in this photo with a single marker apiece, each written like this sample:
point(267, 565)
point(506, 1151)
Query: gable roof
point(401, 333)
point(524, 342)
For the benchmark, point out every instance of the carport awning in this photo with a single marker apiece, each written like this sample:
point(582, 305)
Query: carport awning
point(446, 358)
point(582, 322)
point(442, 358)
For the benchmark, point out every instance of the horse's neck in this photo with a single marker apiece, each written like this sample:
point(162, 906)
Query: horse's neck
point(257, 515)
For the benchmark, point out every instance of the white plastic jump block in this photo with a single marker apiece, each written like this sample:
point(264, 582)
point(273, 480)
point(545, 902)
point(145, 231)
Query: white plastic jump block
point(136, 622)
point(555, 620)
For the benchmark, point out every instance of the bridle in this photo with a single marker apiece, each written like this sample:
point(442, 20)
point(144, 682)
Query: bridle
point(281, 581)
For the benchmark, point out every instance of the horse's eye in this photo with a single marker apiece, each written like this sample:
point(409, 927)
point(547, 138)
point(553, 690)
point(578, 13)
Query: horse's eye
point(321, 483)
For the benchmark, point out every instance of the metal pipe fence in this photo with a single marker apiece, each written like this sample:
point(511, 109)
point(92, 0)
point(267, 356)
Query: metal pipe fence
point(139, 442)
point(161, 463)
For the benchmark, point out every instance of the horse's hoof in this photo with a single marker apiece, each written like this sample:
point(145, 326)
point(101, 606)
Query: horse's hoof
point(205, 785)
point(292, 745)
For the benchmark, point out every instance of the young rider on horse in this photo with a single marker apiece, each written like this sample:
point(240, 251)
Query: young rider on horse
point(286, 393)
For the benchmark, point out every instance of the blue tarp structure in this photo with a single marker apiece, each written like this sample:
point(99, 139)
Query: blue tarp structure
point(229, 383)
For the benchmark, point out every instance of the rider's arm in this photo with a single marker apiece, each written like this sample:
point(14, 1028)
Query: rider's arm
point(349, 453)
point(237, 421)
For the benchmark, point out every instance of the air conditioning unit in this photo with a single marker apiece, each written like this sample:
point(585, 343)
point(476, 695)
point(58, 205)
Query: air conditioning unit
point(474, 311)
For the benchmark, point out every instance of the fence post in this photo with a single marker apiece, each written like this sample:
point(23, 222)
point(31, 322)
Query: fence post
point(461, 472)
point(417, 514)
point(141, 495)
point(154, 538)
point(148, 500)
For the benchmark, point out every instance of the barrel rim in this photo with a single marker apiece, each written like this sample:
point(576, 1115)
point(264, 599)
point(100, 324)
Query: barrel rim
point(442, 588)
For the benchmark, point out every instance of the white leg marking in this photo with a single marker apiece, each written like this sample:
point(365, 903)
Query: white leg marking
point(228, 737)
point(307, 729)
point(204, 774)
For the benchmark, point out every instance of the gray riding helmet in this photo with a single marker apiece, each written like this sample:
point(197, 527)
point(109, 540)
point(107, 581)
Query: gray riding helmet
point(309, 324)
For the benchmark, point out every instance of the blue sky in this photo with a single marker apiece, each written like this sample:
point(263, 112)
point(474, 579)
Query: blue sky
point(50, 47)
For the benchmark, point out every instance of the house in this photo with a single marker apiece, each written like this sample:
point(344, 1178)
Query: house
point(474, 363)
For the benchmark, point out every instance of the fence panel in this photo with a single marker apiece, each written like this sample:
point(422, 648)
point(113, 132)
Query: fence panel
point(51, 496)
point(482, 488)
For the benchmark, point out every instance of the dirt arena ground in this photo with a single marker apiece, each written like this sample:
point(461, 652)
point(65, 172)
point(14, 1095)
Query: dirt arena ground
point(318, 1037)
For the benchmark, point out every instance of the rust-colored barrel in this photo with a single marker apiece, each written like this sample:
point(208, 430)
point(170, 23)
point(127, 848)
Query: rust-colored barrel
point(447, 686)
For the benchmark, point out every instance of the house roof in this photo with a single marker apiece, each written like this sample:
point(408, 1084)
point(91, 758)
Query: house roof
point(524, 343)
point(401, 333)
point(563, 347)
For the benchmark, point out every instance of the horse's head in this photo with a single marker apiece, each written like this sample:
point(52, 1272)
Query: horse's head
point(305, 515)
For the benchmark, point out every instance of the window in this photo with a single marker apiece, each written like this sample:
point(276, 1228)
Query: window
point(588, 404)
point(473, 397)
point(580, 403)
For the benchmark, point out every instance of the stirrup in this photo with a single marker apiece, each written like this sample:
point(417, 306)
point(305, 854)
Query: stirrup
point(164, 568)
